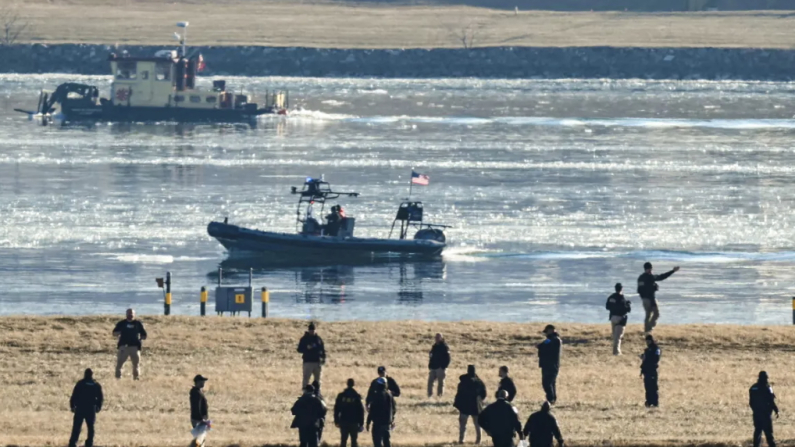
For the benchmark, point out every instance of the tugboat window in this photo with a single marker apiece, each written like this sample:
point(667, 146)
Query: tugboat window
point(163, 71)
point(179, 98)
point(144, 75)
point(211, 99)
point(195, 99)
point(126, 70)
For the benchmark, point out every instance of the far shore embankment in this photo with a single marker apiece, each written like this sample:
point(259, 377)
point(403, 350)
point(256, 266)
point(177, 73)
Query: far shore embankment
point(255, 375)
point(491, 62)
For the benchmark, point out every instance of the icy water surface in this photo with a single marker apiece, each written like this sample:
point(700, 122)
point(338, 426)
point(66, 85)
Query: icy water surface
point(556, 191)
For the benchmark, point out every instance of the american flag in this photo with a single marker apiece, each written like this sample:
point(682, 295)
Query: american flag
point(419, 179)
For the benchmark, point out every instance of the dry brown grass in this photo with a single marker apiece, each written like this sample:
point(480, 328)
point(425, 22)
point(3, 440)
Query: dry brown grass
point(351, 25)
point(255, 377)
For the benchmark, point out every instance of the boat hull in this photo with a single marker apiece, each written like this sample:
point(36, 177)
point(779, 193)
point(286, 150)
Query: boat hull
point(239, 240)
point(122, 114)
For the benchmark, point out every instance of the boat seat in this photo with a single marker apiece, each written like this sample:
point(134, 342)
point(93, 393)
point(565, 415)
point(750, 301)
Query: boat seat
point(346, 227)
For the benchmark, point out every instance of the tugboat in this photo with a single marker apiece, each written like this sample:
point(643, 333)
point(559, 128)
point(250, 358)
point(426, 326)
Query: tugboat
point(160, 88)
point(334, 239)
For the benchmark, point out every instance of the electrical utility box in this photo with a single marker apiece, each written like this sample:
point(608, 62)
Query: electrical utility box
point(233, 300)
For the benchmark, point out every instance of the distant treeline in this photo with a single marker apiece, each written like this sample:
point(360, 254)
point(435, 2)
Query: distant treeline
point(610, 5)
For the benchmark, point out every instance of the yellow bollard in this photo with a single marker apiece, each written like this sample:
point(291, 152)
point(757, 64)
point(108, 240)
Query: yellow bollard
point(204, 301)
point(266, 298)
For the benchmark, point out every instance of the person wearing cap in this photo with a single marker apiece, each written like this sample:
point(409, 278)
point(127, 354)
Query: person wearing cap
point(382, 415)
point(469, 402)
point(542, 427)
point(439, 360)
point(130, 333)
point(647, 289)
point(85, 403)
point(349, 415)
point(763, 404)
point(314, 356)
point(648, 371)
point(309, 413)
point(391, 385)
point(549, 361)
point(500, 420)
point(506, 384)
point(198, 403)
point(619, 307)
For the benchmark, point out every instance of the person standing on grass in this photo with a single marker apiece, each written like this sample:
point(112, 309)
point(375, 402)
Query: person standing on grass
point(437, 365)
point(85, 403)
point(647, 289)
point(382, 415)
point(763, 404)
point(198, 404)
point(619, 307)
point(349, 415)
point(500, 420)
point(549, 361)
point(131, 333)
point(314, 356)
point(648, 371)
point(391, 384)
point(542, 427)
point(309, 412)
point(469, 402)
point(506, 384)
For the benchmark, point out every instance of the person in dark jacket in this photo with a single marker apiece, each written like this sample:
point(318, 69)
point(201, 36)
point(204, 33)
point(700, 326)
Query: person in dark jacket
point(131, 333)
point(382, 415)
point(349, 415)
point(391, 385)
point(549, 362)
point(542, 427)
point(648, 371)
point(314, 356)
point(506, 384)
point(619, 307)
point(469, 402)
point(647, 289)
point(309, 412)
point(437, 365)
point(763, 404)
point(319, 395)
point(85, 403)
point(198, 403)
point(501, 421)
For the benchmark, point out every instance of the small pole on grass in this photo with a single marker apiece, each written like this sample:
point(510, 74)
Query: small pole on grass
point(167, 302)
point(204, 301)
point(793, 310)
point(266, 298)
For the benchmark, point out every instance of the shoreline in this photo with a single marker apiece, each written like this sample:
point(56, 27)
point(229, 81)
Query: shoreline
point(488, 63)
point(254, 376)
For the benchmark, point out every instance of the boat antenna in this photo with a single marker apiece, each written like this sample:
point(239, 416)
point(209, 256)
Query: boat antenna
point(184, 37)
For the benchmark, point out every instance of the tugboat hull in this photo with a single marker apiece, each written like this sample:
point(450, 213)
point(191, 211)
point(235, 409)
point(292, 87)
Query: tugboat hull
point(125, 114)
point(238, 239)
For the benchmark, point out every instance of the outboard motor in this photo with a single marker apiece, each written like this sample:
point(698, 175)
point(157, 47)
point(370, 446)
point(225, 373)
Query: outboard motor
point(431, 234)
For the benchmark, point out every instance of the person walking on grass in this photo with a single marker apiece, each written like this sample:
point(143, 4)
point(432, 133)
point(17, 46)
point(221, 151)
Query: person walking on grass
point(391, 385)
point(500, 420)
point(131, 333)
point(85, 403)
point(349, 415)
point(506, 384)
point(648, 371)
point(382, 415)
point(542, 427)
point(309, 413)
point(647, 289)
point(314, 356)
point(469, 402)
point(549, 361)
point(199, 411)
point(763, 404)
point(619, 307)
point(437, 365)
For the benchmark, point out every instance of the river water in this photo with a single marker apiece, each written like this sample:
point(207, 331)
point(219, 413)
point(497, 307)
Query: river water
point(556, 190)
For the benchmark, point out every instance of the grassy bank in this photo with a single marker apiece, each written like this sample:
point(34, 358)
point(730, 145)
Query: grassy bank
point(255, 377)
point(387, 25)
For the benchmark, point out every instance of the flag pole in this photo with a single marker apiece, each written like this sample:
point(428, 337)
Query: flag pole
point(411, 183)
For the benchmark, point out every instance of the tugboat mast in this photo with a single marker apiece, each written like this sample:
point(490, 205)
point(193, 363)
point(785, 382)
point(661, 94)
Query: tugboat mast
point(182, 38)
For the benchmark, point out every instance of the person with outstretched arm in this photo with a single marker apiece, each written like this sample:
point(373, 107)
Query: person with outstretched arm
point(647, 289)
